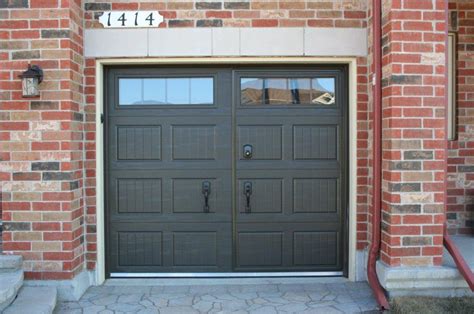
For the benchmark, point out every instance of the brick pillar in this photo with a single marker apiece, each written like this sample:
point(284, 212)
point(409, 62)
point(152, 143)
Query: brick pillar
point(461, 151)
point(413, 132)
point(42, 139)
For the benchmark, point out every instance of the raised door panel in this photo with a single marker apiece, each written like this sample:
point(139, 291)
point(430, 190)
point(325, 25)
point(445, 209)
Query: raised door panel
point(194, 142)
point(315, 142)
point(138, 142)
point(139, 195)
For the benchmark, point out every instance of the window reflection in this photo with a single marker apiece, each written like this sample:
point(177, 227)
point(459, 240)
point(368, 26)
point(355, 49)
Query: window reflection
point(166, 91)
point(287, 91)
point(251, 91)
point(322, 90)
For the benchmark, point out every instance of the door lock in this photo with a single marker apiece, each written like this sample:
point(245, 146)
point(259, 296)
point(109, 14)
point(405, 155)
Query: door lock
point(247, 151)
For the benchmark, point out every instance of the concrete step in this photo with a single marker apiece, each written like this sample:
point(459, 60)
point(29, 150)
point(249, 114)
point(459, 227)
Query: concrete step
point(11, 282)
point(10, 263)
point(38, 300)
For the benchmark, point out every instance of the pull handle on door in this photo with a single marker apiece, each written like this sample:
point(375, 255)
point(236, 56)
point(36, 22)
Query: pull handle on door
point(247, 193)
point(206, 190)
point(247, 151)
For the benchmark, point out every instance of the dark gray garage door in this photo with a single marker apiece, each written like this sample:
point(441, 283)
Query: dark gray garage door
point(226, 169)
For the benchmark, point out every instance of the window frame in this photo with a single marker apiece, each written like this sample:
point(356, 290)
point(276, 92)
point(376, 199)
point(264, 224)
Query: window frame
point(293, 75)
point(211, 76)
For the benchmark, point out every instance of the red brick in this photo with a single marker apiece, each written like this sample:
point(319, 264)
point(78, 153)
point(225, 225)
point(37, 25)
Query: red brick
point(45, 146)
point(418, 5)
point(16, 246)
point(124, 6)
point(25, 34)
point(265, 23)
point(26, 176)
point(43, 4)
point(14, 126)
point(219, 14)
point(46, 226)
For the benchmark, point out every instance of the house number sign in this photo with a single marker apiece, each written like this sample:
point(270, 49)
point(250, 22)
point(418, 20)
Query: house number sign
point(128, 19)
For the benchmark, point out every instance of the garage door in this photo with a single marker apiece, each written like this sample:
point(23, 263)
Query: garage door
point(218, 170)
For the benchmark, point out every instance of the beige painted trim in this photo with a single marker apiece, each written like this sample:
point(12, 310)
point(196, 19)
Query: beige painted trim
point(350, 61)
point(352, 267)
point(99, 165)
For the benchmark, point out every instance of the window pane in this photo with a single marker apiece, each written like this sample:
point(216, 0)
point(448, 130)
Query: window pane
point(154, 92)
point(277, 92)
point(300, 90)
point(177, 91)
point(202, 91)
point(130, 91)
point(287, 91)
point(323, 91)
point(251, 90)
point(166, 91)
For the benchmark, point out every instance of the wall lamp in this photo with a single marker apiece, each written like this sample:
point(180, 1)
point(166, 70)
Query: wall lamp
point(30, 80)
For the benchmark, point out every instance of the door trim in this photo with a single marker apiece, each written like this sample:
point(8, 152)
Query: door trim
point(100, 273)
point(229, 275)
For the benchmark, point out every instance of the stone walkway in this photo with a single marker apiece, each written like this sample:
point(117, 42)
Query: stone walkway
point(332, 296)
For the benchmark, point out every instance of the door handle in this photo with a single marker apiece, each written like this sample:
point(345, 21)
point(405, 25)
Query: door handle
point(247, 193)
point(206, 190)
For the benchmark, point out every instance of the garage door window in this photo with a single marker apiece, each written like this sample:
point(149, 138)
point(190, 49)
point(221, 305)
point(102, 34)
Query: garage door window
point(287, 91)
point(166, 91)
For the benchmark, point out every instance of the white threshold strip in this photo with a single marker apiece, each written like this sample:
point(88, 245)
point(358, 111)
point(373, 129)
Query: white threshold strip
point(228, 275)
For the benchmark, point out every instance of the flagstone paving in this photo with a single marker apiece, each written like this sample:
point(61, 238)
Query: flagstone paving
point(327, 298)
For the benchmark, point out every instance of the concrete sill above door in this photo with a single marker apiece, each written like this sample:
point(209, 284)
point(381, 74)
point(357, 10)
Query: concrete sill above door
point(199, 42)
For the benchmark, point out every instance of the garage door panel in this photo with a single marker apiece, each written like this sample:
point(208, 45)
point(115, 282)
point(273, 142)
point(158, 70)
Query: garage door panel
point(283, 246)
point(156, 247)
point(315, 195)
point(188, 195)
point(315, 248)
point(138, 195)
point(139, 142)
point(194, 142)
point(169, 196)
point(315, 142)
point(195, 248)
point(289, 196)
point(140, 248)
point(168, 91)
point(289, 143)
point(169, 144)
point(260, 249)
point(266, 141)
point(267, 195)
point(299, 229)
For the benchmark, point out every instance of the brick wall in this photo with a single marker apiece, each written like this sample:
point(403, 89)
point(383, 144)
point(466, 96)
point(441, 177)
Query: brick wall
point(340, 13)
point(42, 139)
point(460, 208)
point(413, 144)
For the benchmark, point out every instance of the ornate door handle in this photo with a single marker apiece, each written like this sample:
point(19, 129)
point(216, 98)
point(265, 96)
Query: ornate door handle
point(247, 193)
point(206, 190)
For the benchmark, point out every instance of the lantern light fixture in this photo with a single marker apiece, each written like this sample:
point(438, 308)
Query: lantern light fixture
point(30, 80)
